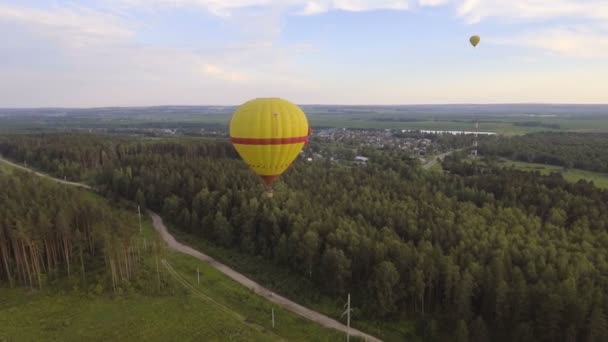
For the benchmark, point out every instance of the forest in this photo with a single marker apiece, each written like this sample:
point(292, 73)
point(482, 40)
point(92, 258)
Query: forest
point(586, 151)
point(485, 253)
point(53, 235)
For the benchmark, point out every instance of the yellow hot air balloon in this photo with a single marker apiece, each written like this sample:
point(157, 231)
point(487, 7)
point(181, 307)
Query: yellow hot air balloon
point(268, 134)
point(475, 40)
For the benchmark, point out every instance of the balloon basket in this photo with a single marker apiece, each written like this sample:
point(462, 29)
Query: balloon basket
point(269, 193)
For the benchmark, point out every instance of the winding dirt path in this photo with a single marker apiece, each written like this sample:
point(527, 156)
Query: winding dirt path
point(255, 287)
point(234, 275)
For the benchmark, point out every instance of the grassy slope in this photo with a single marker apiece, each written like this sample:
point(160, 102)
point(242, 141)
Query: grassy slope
point(572, 175)
point(300, 289)
point(216, 310)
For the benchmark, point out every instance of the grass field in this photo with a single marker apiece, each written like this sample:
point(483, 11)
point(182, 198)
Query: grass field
point(350, 118)
point(217, 309)
point(4, 168)
point(573, 175)
point(301, 290)
point(505, 126)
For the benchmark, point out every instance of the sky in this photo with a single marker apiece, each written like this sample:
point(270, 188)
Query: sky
point(224, 52)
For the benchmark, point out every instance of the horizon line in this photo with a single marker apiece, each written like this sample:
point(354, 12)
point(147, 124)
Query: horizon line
point(319, 104)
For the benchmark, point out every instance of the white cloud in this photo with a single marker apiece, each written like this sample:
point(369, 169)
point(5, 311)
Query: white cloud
point(223, 74)
point(432, 2)
point(476, 10)
point(92, 58)
point(98, 61)
point(472, 10)
point(70, 25)
point(227, 8)
point(319, 6)
point(578, 42)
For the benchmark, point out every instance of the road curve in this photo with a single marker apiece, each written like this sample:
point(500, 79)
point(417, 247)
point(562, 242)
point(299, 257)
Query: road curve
point(238, 277)
point(255, 287)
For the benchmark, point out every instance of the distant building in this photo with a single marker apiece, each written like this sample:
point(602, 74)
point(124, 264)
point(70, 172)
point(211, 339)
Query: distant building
point(361, 160)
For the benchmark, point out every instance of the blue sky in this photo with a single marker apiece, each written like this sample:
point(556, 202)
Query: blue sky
point(154, 52)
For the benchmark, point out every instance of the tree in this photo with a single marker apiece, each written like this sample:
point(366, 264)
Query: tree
point(309, 250)
point(383, 281)
point(140, 199)
point(464, 292)
point(479, 331)
point(335, 270)
point(462, 332)
point(597, 329)
point(222, 230)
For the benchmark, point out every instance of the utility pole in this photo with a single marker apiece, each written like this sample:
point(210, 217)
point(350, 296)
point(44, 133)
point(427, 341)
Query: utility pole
point(198, 275)
point(273, 318)
point(347, 313)
point(348, 320)
point(157, 268)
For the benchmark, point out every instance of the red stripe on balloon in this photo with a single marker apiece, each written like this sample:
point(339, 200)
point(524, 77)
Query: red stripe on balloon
point(269, 141)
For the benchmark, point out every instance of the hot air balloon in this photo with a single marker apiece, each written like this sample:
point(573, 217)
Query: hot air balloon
point(475, 40)
point(269, 133)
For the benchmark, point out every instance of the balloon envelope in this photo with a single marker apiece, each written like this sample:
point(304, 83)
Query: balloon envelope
point(269, 134)
point(475, 40)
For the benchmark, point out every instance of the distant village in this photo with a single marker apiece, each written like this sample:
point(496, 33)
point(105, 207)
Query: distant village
point(376, 138)
point(411, 142)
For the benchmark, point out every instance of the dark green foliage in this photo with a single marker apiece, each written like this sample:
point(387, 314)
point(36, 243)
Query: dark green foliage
point(462, 332)
point(586, 151)
point(50, 232)
point(489, 253)
point(479, 331)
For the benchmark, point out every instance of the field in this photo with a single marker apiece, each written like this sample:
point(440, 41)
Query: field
point(301, 290)
point(217, 309)
point(572, 175)
point(500, 125)
point(502, 119)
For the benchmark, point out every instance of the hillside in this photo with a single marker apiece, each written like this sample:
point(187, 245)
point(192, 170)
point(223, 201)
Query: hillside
point(71, 310)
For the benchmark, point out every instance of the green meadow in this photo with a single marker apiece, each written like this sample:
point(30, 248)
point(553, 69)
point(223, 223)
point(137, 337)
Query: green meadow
point(572, 175)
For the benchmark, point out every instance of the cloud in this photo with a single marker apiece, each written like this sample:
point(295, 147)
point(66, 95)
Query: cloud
point(222, 74)
point(577, 42)
point(226, 8)
point(433, 2)
point(92, 57)
point(475, 11)
point(472, 10)
point(73, 25)
point(313, 7)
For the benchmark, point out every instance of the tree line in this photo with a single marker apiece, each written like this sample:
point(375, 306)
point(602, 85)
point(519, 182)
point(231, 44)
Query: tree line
point(50, 233)
point(483, 252)
point(586, 151)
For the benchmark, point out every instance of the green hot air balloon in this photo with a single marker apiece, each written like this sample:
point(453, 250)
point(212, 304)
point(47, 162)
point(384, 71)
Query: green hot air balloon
point(475, 40)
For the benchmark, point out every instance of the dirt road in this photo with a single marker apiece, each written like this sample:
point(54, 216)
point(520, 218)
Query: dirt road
point(80, 185)
point(241, 279)
point(257, 288)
